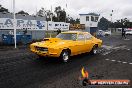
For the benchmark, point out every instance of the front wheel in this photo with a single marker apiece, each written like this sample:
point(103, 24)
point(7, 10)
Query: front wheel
point(65, 55)
point(94, 50)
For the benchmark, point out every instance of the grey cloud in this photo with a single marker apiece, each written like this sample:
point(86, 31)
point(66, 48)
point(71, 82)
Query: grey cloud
point(122, 8)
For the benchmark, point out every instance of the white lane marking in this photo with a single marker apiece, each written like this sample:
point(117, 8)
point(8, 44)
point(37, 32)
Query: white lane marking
point(106, 53)
point(126, 39)
point(119, 61)
point(107, 47)
point(113, 60)
point(124, 62)
point(130, 63)
point(119, 47)
point(128, 49)
point(107, 59)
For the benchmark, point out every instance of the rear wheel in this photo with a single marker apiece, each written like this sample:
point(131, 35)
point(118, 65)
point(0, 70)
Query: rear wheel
point(65, 55)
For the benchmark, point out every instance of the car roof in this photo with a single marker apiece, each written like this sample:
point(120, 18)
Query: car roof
point(74, 32)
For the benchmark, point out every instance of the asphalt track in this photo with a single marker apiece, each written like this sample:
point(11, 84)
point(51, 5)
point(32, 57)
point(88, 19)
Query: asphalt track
point(19, 68)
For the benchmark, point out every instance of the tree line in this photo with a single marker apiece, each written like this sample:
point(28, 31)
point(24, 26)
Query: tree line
point(58, 15)
point(104, 24)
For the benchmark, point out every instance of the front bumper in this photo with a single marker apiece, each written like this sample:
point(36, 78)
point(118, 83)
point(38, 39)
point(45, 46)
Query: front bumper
point(46, 54)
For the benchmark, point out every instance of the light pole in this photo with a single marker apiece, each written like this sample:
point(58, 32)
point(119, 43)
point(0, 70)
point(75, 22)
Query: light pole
point(14, 22)
point(111, 19)
point(111, 15)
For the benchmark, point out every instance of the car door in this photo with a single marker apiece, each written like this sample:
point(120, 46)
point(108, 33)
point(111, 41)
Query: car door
point(74, 44)
point(88, 42)
point(80, 43)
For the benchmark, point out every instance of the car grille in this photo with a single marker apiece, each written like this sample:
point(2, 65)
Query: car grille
point(44, 49)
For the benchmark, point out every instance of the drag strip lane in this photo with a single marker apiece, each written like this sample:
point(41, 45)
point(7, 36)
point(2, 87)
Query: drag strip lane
point(32, 71)
point(28, 72)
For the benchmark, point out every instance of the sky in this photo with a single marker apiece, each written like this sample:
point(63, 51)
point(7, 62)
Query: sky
point(121, 8)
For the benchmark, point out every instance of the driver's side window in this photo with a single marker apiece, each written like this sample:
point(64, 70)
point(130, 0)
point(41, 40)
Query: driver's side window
point(81, 37)
point(88, 36)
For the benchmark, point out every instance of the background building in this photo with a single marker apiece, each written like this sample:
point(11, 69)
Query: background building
point(90, 20)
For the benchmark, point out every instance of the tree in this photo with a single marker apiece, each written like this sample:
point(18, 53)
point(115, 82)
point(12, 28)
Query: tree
point(22, 12)
point(72, 21)
point(117, 24)
point(49, 14)
point(122, 23)
point(45, 13)
point(54, 18)
point(77, 21)
point(2, 9)
point(41, 12)
point(103, 24)
point(57, 11)
point(61, 14)
point(129, 24)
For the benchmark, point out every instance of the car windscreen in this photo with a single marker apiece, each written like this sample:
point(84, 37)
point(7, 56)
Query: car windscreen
point(67, 36)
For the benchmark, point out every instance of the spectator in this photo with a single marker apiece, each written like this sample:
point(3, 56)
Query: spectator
point(58, 31)
point(123, 33)
point(25, 32)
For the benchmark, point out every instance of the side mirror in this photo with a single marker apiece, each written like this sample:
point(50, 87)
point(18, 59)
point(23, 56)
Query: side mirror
point(91, 38)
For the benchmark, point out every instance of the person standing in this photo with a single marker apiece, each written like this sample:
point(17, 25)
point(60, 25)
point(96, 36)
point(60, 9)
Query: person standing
point(58, 31)
point(123, 33)
point(24, 38)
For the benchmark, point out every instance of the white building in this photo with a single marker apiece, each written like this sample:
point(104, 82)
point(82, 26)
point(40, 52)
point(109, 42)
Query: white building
point(90, 20)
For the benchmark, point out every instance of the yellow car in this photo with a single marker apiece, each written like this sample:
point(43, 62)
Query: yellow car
point(67, 44)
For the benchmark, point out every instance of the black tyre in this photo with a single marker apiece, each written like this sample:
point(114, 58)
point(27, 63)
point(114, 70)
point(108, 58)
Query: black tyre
point(86, 82)
point(40, 56)
point(94, 50)
point(65, 55)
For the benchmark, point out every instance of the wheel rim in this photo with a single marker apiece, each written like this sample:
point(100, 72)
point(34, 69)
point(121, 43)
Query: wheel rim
point(95, 51)
point(65, 56)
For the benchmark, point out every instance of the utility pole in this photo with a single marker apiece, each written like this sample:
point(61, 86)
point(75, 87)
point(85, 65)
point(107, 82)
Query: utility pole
point(51, 14)
point(111, 15)
point(111, 23)
point(66, 9)
point(14, 22)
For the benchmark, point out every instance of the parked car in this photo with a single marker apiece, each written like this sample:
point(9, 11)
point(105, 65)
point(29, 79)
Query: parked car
point(107, 33)
point(100, 33)
point(67, 44)
point(128, 32)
